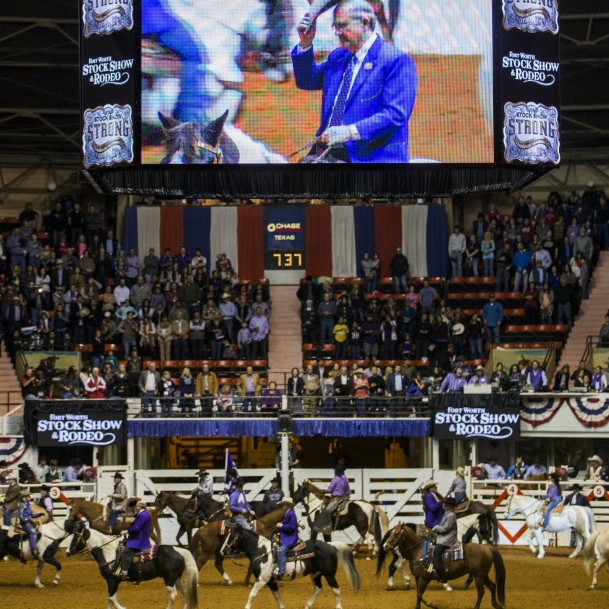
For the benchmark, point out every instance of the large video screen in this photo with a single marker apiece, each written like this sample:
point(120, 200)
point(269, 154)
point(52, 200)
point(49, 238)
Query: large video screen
point(367, 81)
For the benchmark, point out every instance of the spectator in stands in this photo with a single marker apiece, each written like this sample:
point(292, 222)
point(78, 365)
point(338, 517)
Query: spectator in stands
point(453, 382)
point(456, 248)
point(75, 471)
point(522, 260)
point(492, 314)
point(187, 391)
point(561, 379)
point(493, 470)
point(599, 380)
point(326, 312)
point(270, 398)
point(259, 327)
point(69, 384)
point(474, 332)
point(206, 387)
point(341, 338)
point(536, 471)
point(487, 249)
point(428, 295)
point(121, 383)
point(472, 255)
point(536, 377)
point(294, 390)
point(29, 388)
point(179, 333)
point(518, 470)
point(95, 387)
point(244, 341)
point(583, 245)
point(594, 470)
point(479, 378)
point(343, 389)
point(504, 267)
point(546, 304)
point(249, 387)
point(370, 270)
point(399, 271)
point(603, 333)
point(148, 383)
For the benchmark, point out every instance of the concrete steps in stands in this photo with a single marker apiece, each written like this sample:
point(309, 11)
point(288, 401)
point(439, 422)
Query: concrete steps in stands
point(10, 388)
point(591, 315)
point(285, 343)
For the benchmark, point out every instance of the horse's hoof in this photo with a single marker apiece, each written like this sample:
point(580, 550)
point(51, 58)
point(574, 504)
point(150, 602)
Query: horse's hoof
point(368, 558)
point(38, 585)
point(447, 587)
point(590, 588)
point(55, 583)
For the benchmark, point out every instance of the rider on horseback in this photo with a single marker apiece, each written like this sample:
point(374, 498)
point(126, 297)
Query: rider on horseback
point(339, 492)
point(238, 505)
point(138, 537)
point(118, 502)
point(552, 497)
point(25, 519)
point(12, 498)
point(446, 536)
point(458, 487)
point(288, 535)
point(203, 490)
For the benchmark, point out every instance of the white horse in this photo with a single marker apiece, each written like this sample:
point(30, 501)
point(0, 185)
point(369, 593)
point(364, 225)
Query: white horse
point(581, 519)
point(51, 535)
point(596, 547)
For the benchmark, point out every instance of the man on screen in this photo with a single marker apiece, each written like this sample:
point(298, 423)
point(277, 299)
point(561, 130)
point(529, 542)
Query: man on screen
point(369, 88)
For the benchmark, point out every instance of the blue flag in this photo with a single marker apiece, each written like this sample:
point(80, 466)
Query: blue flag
point(229, 465)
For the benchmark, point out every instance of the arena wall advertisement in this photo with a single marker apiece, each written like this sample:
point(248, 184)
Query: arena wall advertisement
point(471, 422)
point(75, 422)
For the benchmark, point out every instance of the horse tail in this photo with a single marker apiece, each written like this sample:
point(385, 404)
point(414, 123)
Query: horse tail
point(156, 528)
point(589, 554)
point(345, 557)
point(192, 578)
point(499, 575)
point(383, 519)
point(378, 534)
point(380, 561)
point(492, 518)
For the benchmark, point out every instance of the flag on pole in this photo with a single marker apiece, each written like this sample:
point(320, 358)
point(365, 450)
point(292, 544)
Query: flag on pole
point(229, 466)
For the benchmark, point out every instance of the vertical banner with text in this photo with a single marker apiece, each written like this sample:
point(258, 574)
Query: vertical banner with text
point(109, 59)
point(529, 70)
point(284, 238)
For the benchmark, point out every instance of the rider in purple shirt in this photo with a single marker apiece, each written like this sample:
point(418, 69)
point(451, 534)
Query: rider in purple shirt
point(339, 492)
point(138, 537)
point(432, 504)
point(288, 535)
point(552, 497)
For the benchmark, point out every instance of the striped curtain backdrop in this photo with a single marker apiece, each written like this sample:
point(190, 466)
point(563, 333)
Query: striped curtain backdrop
point(335, 240)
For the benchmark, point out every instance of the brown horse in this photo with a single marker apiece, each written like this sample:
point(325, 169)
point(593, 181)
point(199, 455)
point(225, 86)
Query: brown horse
point(478, 561)
point(94, 513)
point(208, 540)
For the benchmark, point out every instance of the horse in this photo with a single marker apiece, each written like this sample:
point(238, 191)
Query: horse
point(168, 563)
point(187, 516)
point(597, 547)
point(478, 561)
point(466, 529)
point(576, 517)
point(209, 539)
point(320, 559)
point(489, 527)
point(94, 513)
point(51, 535)
point(360, 514)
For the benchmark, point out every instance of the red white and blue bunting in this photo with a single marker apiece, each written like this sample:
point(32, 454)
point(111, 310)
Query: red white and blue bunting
point(12, 450)
point(590, 410)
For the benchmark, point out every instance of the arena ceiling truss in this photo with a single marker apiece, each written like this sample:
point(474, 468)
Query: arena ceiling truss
point(39, 80)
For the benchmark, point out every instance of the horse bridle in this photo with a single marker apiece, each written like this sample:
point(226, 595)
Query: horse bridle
point(399, 537)
point(215, 150)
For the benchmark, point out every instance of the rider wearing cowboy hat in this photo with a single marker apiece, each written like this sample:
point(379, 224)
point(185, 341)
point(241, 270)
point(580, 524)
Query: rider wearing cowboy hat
point(26, 517)
point(274, 495)
point(138, 537)
point(12, 498)
point(45, 501)
point(458, 487)
point(203, 490)
point(288, 535)
point(238, 505)
point(118, 503)
point(432, 504)
point(339, 492)
point(595, 469)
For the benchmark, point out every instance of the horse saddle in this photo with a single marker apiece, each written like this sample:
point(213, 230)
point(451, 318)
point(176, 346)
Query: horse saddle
point(462, 506)
point(144, 555)
point(303, 549)
point(558, 509)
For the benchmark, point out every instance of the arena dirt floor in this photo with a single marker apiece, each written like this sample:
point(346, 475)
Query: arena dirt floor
point(552, 583)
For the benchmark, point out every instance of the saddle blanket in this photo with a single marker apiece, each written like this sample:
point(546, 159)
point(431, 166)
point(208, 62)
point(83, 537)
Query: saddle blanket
point(457, 552)
point(225, 525)
point(145, 555)
point(302, 550)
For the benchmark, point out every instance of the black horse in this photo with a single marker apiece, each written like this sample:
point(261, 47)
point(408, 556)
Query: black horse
point(489, 529)
point(319, 559)
point(195, 143)
point(168, 563)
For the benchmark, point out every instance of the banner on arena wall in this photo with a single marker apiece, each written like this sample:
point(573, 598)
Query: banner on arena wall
point(473, 422)
point(109, 81)
point(58, 423)
point(284, 238)
point(528, 67)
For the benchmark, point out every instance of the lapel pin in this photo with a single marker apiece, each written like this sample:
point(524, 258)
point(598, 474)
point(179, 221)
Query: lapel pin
point(368, 65)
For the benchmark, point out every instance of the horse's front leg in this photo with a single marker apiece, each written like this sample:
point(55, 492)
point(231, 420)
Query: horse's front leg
point(422, 584)
point(598, 565)
point(258, 585)
point(532, 541)
point(112, 595)
point(540, 540)
point(39, 566)
point(272, 584)
point(219, 564)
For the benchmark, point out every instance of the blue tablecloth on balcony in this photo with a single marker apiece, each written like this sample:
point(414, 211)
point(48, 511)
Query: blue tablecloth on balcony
point(251, 427)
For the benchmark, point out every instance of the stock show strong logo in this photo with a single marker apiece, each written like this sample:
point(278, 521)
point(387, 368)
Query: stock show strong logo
point(106, 16)
point(530, 133)
point(108, 135)
point(531, 15)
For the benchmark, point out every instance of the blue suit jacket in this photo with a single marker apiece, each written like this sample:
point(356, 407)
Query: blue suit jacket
point(380, 102)
point(138, 536)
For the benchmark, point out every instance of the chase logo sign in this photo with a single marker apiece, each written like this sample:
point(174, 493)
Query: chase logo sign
point(106, 16)
point(465, 422)
point(531, 15)
point(530, 133)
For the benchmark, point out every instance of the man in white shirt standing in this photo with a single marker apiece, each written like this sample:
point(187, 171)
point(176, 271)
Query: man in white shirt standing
point(148, 383)
point(121, 293)
point(456, 248)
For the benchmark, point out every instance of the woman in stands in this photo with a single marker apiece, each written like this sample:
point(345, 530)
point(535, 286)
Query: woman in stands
point(561, 379)
point(515, 376)
point(546, 304)
point(120, 386)
point(487, 249)
point(187, 391)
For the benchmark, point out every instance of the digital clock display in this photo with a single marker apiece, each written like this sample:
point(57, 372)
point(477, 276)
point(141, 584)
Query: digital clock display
point(284, 260)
